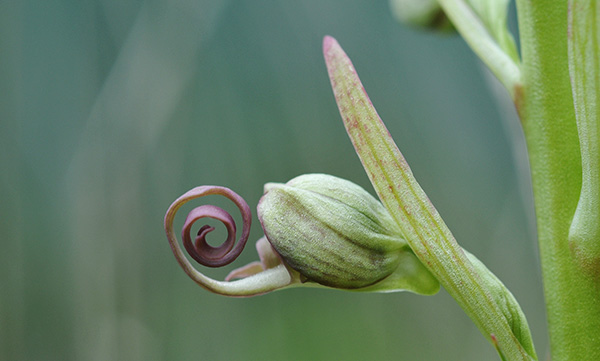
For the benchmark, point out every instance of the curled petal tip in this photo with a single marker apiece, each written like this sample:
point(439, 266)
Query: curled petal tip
point(226, 253)
point(200, 250)
point(255, 281)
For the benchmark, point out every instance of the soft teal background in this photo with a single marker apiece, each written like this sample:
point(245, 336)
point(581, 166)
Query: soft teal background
point(111, 109)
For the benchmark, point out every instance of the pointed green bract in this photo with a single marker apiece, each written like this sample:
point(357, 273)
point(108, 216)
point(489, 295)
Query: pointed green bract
point(419, 222)
point(506, 301)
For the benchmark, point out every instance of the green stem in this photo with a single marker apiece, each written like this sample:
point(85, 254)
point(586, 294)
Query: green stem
point(545, 105)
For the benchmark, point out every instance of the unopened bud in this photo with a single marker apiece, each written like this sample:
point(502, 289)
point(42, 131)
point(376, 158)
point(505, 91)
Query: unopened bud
point(331, 231)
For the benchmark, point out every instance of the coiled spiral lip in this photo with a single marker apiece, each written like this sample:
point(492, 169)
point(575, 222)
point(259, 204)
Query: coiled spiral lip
point(267, 280)
point(199, 249)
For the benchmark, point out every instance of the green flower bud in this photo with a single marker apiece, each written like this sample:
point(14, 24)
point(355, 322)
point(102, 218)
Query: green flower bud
point(331, 231)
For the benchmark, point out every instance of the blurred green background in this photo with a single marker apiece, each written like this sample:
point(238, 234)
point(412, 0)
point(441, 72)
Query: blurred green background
point(111, 109)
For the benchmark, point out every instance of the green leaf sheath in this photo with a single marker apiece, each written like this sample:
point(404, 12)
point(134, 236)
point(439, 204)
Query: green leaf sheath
point(584, 68)
point(418, 220)
point(545, 105)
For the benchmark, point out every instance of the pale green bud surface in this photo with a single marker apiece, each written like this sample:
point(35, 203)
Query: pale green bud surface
point(336, 234)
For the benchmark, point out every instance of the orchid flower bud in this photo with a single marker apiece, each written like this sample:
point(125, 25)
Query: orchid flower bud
point(333, 232)
point(321, 231)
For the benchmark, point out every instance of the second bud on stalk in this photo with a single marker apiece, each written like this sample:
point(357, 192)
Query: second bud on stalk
point(331, 231)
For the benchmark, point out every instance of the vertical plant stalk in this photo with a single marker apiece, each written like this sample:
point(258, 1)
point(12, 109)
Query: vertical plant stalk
point(545, 105)
point(419, 221)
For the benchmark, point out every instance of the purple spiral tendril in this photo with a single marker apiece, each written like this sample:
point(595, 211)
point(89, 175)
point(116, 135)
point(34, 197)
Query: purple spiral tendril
point(198, 248)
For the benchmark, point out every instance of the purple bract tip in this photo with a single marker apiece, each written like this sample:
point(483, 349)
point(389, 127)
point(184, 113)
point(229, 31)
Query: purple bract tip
point(328, 41)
